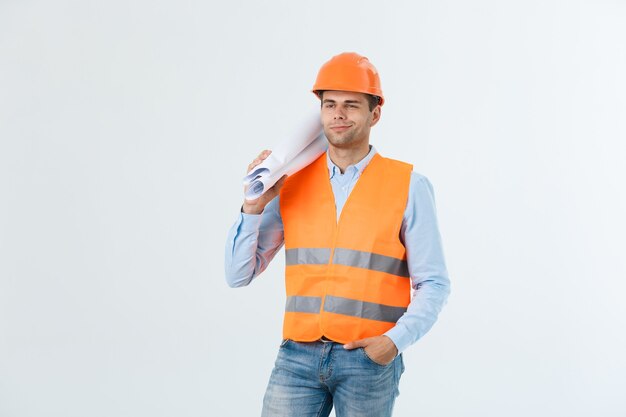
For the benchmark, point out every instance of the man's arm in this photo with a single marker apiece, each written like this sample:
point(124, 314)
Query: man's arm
point(426, 262)
point(256, 236)
point(252, 243)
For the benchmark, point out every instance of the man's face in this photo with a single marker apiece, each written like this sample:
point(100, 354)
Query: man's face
point(347, 119)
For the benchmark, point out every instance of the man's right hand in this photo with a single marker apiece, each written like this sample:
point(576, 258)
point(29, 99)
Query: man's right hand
point(256, 206)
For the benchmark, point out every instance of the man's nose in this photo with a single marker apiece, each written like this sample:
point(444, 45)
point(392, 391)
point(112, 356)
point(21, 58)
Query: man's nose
point(339, 114)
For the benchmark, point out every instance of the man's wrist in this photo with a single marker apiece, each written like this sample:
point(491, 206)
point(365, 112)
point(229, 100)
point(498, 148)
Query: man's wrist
point(398, 337)
point(250, 209)
point(392, 344)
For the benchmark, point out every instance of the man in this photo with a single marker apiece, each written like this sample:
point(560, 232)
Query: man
point(359, 231)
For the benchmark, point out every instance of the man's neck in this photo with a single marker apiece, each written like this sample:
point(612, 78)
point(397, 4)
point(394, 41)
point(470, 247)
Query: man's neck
point(343, 158)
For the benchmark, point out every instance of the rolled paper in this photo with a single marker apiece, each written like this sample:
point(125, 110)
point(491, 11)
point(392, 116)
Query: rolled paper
point(296, 152)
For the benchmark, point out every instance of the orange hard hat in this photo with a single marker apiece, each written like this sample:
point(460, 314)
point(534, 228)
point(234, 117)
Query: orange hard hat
point(349, 71)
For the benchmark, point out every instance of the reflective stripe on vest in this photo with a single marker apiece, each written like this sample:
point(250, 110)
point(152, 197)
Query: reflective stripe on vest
point(347, 257)
point(307, 256)
point(345, 306)
point(303, 304)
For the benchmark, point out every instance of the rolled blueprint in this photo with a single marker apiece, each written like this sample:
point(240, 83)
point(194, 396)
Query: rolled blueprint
point(289, 157)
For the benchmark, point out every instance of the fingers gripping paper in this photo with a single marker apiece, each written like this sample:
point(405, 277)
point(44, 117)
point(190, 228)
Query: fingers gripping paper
point(293, 154)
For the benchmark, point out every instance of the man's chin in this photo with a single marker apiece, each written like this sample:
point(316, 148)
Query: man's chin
point(338, 142)
point(338, 145)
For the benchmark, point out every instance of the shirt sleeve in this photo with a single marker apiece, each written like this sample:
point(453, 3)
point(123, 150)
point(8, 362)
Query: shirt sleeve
point(252, 242)
point(425, 258)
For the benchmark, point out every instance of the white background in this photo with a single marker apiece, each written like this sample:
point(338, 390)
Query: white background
point(125, 130)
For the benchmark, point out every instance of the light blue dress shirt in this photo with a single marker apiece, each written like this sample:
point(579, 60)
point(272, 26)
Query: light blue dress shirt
point(254, 240)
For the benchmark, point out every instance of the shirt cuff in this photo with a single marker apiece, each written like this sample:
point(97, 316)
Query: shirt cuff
point(249, 222)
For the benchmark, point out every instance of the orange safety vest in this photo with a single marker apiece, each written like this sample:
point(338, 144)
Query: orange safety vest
point(346, 279)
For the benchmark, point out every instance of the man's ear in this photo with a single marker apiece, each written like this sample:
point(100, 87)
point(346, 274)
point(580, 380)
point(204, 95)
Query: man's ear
point(375, 115)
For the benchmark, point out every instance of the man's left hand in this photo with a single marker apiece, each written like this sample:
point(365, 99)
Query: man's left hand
point(380, 349)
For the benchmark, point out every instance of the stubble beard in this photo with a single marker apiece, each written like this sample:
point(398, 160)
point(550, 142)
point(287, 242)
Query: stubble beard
point(339, 140)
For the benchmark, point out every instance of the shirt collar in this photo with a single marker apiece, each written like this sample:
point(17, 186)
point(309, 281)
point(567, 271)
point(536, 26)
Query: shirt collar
point(360, 166)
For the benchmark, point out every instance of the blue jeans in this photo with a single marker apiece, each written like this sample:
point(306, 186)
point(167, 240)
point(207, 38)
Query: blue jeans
point(309, 378)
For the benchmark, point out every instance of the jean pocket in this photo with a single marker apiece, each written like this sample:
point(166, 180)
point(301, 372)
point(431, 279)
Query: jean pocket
point(284, 342)
point(367, 358)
